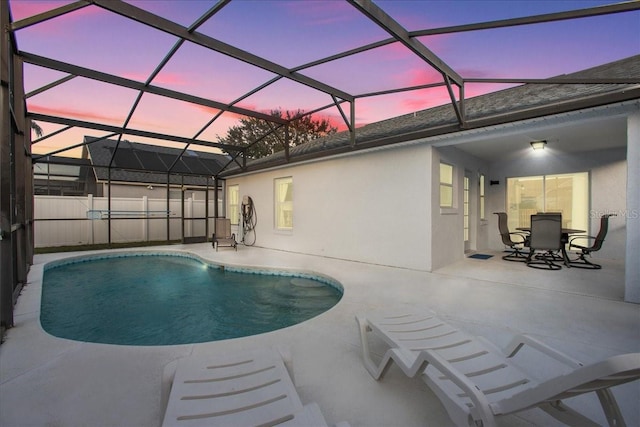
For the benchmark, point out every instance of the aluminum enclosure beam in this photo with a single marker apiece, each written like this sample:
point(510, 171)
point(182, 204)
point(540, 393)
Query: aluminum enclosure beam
point(504, 23)
point(45, 16)
point(135, 132)
point(380, 17)
point(170, 27)
point(535, 19)
point(212, 11)
point(76, 70)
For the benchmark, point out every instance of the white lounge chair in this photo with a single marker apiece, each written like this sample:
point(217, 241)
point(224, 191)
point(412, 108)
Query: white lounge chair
point(249, 389)
point(477, 382)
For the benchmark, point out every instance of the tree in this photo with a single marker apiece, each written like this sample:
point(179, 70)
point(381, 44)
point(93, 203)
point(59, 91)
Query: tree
point(36, 128)
point(250, 129)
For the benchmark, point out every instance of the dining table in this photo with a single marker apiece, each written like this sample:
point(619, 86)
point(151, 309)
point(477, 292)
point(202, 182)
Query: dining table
point(564, 239)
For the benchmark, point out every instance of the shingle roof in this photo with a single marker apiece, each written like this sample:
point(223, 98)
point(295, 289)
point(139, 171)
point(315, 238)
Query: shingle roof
point(133, 160)
point(509, 105)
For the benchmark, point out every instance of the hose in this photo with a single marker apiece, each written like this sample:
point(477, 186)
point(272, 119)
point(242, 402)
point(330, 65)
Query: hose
point(249, 219)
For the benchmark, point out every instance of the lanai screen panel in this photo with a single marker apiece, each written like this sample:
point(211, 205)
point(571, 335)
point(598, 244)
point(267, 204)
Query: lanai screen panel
point(201, 66)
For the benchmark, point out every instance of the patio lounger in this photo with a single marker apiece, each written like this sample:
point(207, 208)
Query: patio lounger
point(477, 382)
point(223, 235)
point(249, 389)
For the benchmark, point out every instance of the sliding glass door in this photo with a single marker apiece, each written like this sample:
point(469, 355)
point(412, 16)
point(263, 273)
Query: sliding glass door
point(565, 193)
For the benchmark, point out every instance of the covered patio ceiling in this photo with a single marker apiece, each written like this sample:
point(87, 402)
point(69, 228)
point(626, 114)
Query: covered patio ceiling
point(180, 74)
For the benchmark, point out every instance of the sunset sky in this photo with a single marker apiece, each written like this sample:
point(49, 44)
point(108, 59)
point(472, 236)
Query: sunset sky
point(293, 33)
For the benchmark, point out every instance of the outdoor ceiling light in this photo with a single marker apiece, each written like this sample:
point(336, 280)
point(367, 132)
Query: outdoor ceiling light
point(538, 145)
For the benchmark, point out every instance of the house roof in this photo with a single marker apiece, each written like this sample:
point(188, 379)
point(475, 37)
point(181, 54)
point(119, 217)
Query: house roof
point(564, 93)
point(136, 162)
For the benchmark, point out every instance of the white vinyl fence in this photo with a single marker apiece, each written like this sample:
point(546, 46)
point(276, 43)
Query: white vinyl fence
point(69, 221)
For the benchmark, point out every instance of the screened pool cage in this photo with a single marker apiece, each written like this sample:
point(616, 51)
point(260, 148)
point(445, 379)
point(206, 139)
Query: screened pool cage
point(129, 193)
point(188, 188)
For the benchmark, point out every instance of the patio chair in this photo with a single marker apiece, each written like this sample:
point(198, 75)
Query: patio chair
point(247, 389)
point(555, 256)
point(546, 235)
point(581, 261)
point(477, 382)
point(223, 235)
point(517, 245)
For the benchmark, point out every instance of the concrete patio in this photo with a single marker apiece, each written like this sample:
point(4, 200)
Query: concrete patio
point(48, 381)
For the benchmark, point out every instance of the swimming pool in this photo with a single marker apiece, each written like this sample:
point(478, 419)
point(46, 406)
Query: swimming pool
point(170, 298)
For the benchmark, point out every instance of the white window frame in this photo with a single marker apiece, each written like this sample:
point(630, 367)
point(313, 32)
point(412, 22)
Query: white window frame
point(446, 185)
point(233, 203)
point(283, 208)
point(580, 217)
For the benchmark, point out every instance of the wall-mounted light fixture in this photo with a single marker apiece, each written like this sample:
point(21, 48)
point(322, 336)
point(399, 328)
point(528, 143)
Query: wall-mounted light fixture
point(539, 145)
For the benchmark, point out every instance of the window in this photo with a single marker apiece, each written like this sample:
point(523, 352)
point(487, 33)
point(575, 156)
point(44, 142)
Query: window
point(482, 214)
point(465, 214)
point(233, 204)
point(566, 193)
point(283, 203)
point(446, 185)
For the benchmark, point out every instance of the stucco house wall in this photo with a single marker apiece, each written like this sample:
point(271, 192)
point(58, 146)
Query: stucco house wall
point(382, 206)
point(372, 207)
point(448, 223)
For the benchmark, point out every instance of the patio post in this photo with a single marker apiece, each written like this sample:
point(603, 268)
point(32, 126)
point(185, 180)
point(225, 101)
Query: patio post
point(7, 274)
point(632, 214)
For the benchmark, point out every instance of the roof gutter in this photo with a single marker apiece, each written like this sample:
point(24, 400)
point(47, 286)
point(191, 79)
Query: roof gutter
point(451, 134)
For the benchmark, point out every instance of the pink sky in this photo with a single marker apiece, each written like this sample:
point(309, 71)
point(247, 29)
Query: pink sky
point(293, 33)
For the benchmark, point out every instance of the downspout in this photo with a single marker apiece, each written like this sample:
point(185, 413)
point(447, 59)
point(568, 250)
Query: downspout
point(168, 206)
point(182, 207)
point(206, 210)
point(109, 206)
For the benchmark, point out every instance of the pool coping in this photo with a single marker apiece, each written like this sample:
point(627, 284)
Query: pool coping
point(279, 271)
point(46, 380)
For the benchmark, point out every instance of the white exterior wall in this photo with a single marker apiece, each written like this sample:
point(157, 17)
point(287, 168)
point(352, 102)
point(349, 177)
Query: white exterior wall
point(371, 207)
point(608, 174)
point(382, 206)
point(447, 224)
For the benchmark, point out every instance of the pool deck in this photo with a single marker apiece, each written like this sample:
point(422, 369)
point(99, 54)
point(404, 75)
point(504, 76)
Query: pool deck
point(48, 381)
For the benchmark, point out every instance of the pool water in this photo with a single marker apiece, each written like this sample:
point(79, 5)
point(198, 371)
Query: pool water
point(165, 300)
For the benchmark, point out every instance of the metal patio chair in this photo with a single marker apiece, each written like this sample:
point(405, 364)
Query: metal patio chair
point(546, 235)
point(598, 240)
point(518, 245)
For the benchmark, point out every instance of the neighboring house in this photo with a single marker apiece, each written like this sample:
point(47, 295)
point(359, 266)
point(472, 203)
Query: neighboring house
point(63, 176)
point(153, 203)
point(141, 169)
point(418, 191)
point(137, 170)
